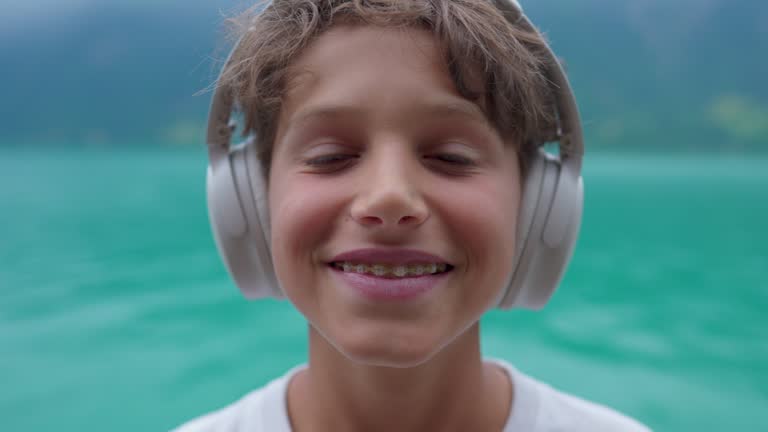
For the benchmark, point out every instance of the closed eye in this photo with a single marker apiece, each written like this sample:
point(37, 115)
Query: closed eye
point(332, 161)
point(454, 159)
point(329, 160)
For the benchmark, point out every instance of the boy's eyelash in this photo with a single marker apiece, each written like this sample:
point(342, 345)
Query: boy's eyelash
point(454, 159)
point(336, 158)
point(328, 159)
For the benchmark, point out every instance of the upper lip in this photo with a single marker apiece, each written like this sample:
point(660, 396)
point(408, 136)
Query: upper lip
point(389, 256)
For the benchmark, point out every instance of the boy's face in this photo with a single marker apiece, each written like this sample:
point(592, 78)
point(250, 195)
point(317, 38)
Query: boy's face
point(416, 166)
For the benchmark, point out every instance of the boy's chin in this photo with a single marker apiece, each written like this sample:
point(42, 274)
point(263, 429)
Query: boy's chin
point(390, 352)
point(398, 359)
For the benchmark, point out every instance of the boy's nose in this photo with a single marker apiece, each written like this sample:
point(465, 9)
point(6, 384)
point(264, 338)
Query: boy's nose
point(389, 194)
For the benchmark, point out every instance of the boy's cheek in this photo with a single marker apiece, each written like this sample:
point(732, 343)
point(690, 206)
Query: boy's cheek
point(303, 219)
point(482, 221)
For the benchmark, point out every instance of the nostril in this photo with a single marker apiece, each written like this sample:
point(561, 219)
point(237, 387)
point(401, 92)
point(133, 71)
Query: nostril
point(373, 219)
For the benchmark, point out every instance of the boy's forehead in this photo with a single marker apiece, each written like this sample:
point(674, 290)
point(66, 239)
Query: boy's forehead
point(349, 61)
point(457, 110)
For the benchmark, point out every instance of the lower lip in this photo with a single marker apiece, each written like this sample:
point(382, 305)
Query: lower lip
point(389, 289)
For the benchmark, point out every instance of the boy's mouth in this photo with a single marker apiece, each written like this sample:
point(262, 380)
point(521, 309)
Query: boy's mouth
point(391, 271)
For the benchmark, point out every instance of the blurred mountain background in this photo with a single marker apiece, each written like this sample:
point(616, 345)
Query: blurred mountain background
point(650, 75)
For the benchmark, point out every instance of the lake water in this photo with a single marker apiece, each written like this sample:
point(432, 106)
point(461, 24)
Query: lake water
point(116, 313)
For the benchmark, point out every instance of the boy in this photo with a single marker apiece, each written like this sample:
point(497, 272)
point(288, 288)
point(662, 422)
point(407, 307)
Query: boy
point(395, 193)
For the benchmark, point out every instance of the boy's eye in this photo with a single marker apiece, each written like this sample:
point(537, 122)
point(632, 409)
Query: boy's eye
point(335, 160)
point(329, 160)
point(454, 159)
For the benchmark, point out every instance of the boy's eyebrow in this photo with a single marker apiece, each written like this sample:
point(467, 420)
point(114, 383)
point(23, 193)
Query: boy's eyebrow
point(463, 109)
point(453, 109)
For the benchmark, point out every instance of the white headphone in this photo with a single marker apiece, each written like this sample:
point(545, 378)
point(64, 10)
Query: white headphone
point(550, 212)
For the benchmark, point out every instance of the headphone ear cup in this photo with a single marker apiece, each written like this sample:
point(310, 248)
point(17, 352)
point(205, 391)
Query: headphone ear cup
point(237, 209)
point(551, 203)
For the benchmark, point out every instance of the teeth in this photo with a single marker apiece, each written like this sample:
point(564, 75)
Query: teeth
point(379, 270)
point(392, 271)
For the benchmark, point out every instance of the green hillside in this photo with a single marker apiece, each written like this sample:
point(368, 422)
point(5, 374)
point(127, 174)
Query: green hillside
point(658, 74)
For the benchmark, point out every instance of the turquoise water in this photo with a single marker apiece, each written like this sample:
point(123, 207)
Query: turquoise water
point(117, 315)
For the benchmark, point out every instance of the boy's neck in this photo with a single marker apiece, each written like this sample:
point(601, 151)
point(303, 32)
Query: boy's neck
point(453, 391)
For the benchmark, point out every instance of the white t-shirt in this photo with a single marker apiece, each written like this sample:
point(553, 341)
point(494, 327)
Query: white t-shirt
point(537, 407)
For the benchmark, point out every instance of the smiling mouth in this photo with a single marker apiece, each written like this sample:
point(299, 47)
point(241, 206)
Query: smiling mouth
point(392, 271)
